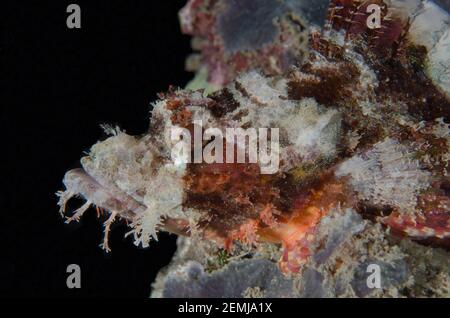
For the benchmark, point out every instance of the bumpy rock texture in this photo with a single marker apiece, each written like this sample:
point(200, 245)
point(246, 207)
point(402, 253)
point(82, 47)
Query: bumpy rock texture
point(362, 180)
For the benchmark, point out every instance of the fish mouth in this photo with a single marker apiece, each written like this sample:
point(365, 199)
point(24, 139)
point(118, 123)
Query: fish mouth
point(119, 204)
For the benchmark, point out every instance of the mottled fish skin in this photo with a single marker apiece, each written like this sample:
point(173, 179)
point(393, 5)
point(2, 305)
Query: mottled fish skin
point(363, 120)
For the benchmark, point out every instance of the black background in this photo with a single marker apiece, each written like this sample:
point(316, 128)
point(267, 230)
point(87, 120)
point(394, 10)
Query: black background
point(60, 85)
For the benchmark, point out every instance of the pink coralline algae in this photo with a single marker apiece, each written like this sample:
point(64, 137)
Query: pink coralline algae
point(364, 141)
point(236, 36)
